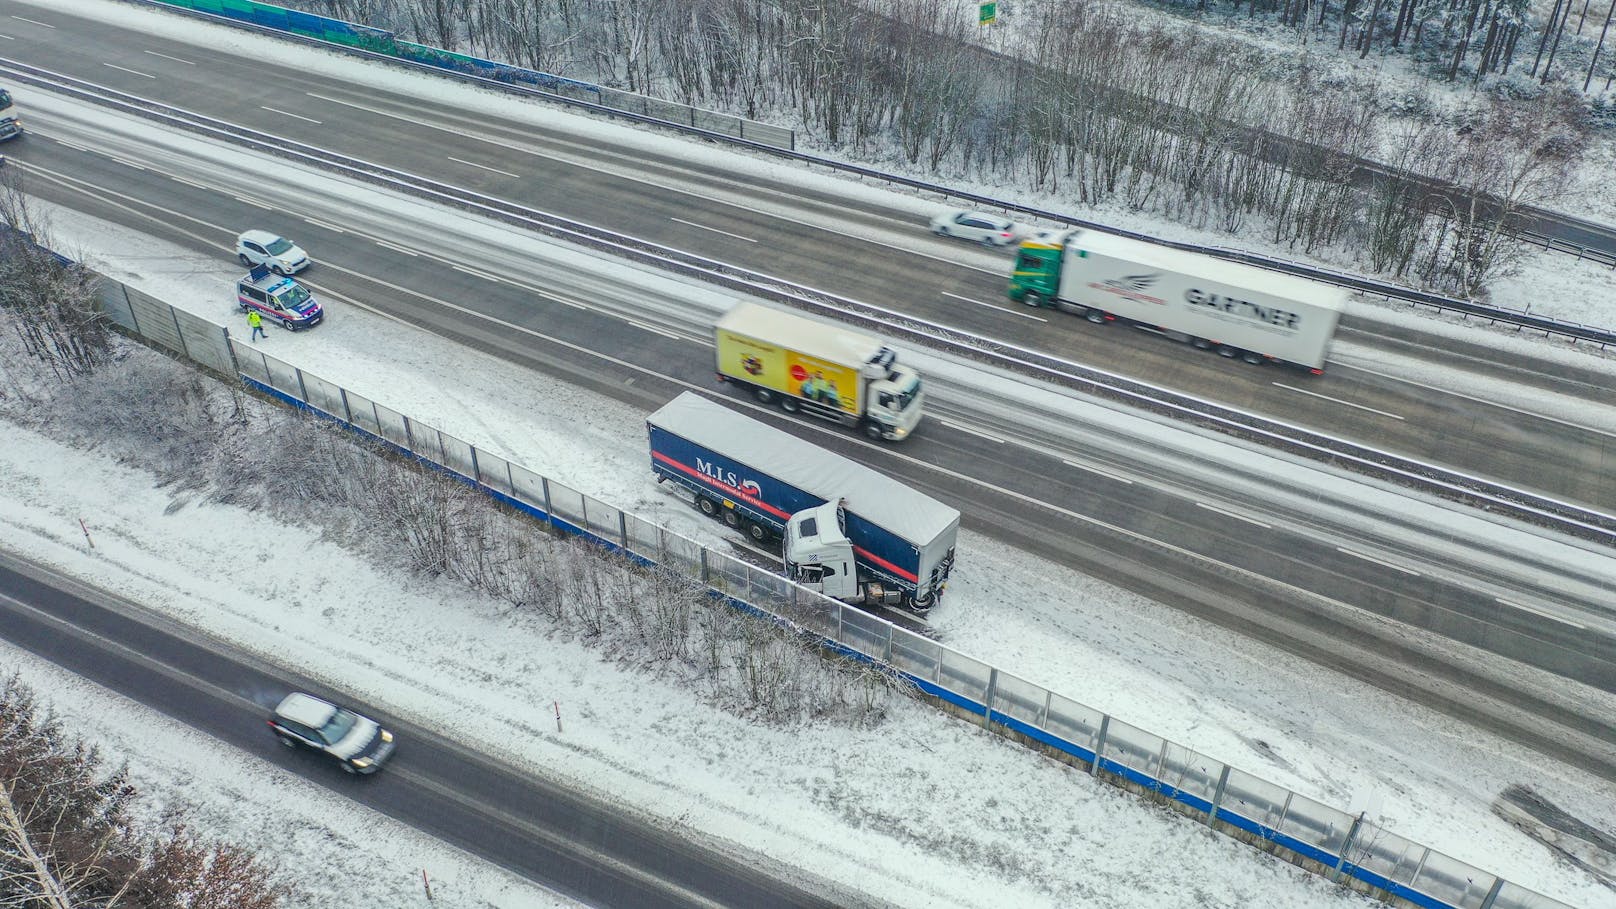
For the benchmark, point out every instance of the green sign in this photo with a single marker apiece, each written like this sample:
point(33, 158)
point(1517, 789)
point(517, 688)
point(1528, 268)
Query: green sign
point(987, 12)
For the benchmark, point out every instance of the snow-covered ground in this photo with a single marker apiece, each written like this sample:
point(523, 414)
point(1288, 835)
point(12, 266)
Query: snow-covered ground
point(925, 812)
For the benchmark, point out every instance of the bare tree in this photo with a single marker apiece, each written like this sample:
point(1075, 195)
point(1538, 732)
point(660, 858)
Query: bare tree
point(51, 303)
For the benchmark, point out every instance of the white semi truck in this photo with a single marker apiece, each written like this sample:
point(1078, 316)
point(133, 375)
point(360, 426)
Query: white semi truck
point(815, 367)
point(845, 530)
point(1236, 309)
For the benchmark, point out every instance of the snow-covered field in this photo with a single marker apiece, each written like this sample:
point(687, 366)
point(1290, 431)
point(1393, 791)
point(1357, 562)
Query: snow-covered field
point(924, 812)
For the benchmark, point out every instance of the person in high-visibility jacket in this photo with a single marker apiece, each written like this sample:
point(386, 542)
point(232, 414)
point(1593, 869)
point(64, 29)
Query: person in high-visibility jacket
point(257, 323)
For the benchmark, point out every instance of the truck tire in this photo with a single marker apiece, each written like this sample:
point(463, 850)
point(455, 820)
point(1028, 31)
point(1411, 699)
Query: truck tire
point(789, 404)
point(731, 518)
point(1227, 352)
point(873, 431)
point(707, 506)
point(758, 533)
point(1033, 298)
point(764, 396)
point(1201, 343)
point(1254, 358)
point(1097, 316)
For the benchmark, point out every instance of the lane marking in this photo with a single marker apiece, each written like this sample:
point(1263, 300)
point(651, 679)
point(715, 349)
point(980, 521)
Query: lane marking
point(653, 329)
point(128, 70)
point(190, 183)
point(1010, 310)
point(287, 113)
point(479, 274)
point(1538, 612)
point(324, 226)
point(8, 37)
point(167, 57)
point(33, 21)
point(1384, 564)
point(1104, 473)
point(1229, 514)
point(1459, 394)
point(126, 162)
point(966, 429)
point(253, 202)
point(483, 166)
point(1336, 400)
point(397, 249)
point(713, 229)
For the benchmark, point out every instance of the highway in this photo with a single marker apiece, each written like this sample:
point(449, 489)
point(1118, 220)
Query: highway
point(865, 250)
point(1291, 567)
point(592, 851)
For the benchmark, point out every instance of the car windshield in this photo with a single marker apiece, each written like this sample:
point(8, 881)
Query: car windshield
point(293, 296)
point(907, 396)
point(5, 99)
point(338, 726)
point(278, 245)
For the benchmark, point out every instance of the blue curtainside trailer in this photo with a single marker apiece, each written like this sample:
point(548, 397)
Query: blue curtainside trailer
point(756, 478)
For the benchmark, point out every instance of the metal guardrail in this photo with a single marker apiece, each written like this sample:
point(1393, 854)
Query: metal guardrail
point(1473, 491)
point(1574, 330)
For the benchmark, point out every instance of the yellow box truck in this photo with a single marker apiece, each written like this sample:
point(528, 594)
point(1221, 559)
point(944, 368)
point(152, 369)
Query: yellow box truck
point(814, 367)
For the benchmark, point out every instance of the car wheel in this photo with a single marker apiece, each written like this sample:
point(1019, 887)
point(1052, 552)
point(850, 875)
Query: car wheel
point(277, 270)
point(1096, 316)
point(245, 307)
point(288, 324)
point(287, 742)
point(707, 506)
point(764, 396)
point(873, 431)
point(1033, 298)
point(731, 518)
point(789, 404)
point(988, 242)
point(244, 260)
point(940, 231)
point(348, 767)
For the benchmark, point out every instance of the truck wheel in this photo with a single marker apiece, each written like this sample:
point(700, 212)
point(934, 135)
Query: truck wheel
point(789, 404)
point(1254, 358)
point(1097, 316)
point(758, 532)
point(1227, 352)
point(731, 518)
point(873, 430)
point(1033, 298)
point(707, 506)
point(1201, 343)
point(764, 396)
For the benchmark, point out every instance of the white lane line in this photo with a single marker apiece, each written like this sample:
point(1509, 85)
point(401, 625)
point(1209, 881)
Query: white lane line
point(324, 226)
point(189, 182)
point(1538, 612)
point(397, 249)
point(1383, 564)
point(483, 166)
point(1336, 400)
point(1229, 514)
point(167, 57)
point(652, 328)
point(33, 21)
point(126, 162)
point(1104, 473)
point(966, 429)
point(254, 202)
point(128, 70)
point(1459, 394)
point(713, 229)
point(1010, 310)
point(8, 37)
point(287, 113)
point(479, 274)
point(72, 145)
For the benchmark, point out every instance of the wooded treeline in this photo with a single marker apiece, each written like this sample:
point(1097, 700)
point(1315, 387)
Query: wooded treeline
point(1088, 101)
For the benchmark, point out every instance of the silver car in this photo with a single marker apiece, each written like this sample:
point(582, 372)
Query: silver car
point(360, 745)
point(260, 247)
point(989, 230)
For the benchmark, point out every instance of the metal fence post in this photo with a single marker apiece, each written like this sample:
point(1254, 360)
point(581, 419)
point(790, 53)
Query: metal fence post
point(347, 408)
point(886, 648)
point(174, 316)
point(1352, 834)
point(1217, 797)
point(990, 694)
point(1043, 714)
point(476, 471)
point(302, 390)
point(622, 528)
point(1492, 894)
point(1099, 744)
point(706, 572)
point(549, 513)
point(230, 351)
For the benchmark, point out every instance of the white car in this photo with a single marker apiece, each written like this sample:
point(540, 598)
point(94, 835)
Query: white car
point(989, 230)
point(260, 247)
point(358, 744)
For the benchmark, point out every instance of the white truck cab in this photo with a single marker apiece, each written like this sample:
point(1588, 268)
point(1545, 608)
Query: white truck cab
point(819, 556)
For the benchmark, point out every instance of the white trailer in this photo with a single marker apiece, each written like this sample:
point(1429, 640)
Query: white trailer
point(1236, 309)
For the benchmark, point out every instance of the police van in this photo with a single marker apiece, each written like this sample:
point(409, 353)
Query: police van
point(278, 299)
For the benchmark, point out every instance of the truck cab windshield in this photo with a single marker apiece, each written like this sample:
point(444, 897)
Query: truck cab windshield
point(5, 99)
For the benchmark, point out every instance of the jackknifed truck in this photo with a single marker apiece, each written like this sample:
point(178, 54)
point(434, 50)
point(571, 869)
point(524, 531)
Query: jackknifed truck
point(814, 367)
point(845, 530)
point(1236, 309)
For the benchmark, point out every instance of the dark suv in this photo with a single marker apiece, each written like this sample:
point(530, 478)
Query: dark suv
point(357, 743)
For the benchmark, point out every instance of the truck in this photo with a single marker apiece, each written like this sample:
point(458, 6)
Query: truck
point(1236, 309)
point(10, 122)
point(845, 530)
point(825, 370)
